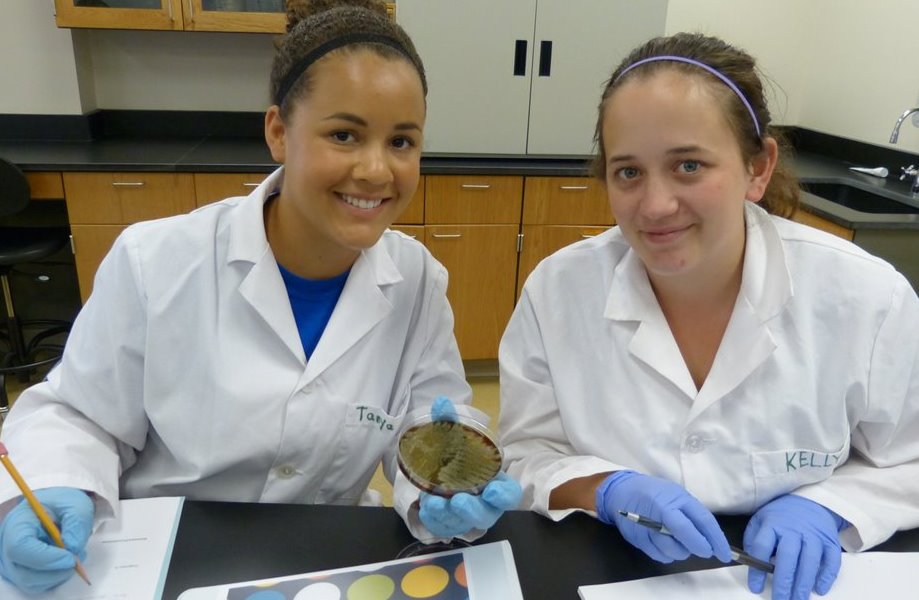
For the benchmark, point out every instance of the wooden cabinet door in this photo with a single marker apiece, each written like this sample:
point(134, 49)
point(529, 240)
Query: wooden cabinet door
point(482, 263)
point(472, 199)
point(265, 16)
point(45, 185)
point(211, 187)
point(539, 241)
point(90, 245)
point(809, 218)
point(119, 14)
point(124, 198)
point(414, 212)
point(565, 201)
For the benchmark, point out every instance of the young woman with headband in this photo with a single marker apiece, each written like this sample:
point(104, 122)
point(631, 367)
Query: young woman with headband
point(707, 354)
point(264, 348)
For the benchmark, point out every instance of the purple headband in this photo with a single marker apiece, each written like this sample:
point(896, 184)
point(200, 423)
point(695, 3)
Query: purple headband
point(702, 65)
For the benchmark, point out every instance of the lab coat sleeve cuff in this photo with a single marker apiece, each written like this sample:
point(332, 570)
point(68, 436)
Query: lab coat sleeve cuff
point(565, 470)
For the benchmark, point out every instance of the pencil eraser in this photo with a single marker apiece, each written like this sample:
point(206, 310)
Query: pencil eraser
point(3, 449)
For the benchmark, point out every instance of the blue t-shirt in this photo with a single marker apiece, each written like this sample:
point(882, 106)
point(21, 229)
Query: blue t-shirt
point(312, 301)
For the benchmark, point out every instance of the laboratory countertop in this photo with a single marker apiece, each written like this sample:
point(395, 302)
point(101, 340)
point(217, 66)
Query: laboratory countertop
point(250, 155)
point(219, 543)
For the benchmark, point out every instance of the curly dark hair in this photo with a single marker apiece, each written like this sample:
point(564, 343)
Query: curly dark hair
point(312, 23)
point(782, 194)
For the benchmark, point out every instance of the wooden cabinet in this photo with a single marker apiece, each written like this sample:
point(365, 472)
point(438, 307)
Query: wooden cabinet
point(45, 185)
point(101, 205)
point(258, 16)
point(558, 211)
point(471, 227)
point(809, 218)
point(530, 81)
point(211, 187)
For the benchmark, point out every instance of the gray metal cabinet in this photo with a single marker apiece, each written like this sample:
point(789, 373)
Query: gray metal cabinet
point(521, 76)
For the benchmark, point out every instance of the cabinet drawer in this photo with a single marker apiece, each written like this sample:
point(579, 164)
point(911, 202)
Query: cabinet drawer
point(211, 187)
point(124, 198)
point(45, 186)
point(472, 199)
point(565, 201)
point(414, 212)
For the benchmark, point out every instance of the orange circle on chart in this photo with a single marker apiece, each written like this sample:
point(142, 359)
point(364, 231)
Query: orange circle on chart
point(425, 581)
point(460, 574)
point(372, 587)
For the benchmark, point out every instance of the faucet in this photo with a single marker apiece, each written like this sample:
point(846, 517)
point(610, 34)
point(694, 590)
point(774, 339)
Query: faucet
point(911, 171)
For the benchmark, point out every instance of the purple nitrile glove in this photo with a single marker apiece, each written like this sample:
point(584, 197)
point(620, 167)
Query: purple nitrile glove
point(692, 527)
point(804, 536)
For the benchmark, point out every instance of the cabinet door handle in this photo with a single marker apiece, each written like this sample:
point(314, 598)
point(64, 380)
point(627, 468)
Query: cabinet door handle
point(251, 185)
point(441, 236)
point(475, 186)
point(545, 58)
point(520, 58)
point(191, 10)
point(588, 235)
point(572, 188)
point(127, 184)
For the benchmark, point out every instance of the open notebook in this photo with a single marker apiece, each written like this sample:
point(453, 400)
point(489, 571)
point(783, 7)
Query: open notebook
point(888, 575)
point(126, 559)
point(483, 572)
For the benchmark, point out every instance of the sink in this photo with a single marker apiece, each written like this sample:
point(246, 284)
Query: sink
point(859, 199)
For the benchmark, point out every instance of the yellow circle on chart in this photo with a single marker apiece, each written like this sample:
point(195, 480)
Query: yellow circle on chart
point(425, 582)
point(372, 587)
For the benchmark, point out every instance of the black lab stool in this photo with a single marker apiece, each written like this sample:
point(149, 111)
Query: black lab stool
point(25, 345)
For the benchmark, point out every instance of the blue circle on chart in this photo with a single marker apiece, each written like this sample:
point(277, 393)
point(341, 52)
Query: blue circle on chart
point(266, 595)
point(319, 591)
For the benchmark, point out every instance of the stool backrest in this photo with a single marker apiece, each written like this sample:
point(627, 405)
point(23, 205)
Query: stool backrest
point(14, 189)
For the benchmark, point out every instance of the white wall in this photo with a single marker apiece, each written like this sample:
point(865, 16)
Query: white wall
point(168, 70)
point(38, 71)
point(848, 67)
point(845, 67)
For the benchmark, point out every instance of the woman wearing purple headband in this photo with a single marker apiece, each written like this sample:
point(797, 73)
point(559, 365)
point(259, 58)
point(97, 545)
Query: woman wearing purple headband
point(707, 354)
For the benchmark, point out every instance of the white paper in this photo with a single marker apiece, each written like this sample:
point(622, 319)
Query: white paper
point(126, 559)
point(489, 569)
point(888, 575)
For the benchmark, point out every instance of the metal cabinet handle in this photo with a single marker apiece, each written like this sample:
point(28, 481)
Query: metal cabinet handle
point(588, 235)
point(128, 184)
point(572, 187)
point(520, 58)
point(475, 186)
point(252, 185)
point(191, 10)
point(447, 235)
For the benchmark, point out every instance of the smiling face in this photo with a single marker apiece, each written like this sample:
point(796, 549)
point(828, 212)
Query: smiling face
point(351, 150)
point(675, 176)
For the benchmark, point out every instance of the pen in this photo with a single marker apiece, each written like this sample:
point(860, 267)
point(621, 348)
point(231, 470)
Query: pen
point(736, 553)
point(39, 510)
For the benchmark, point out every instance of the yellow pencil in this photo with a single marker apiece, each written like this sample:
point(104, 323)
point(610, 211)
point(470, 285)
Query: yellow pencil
point(46, 521)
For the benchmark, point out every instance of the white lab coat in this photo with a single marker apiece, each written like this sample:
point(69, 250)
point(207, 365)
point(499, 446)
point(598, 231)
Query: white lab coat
point(185, 374)
point(814, 389)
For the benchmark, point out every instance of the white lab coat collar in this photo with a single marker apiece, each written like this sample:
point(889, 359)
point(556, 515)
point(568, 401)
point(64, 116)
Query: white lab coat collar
point(361, 306)
point(765, 289)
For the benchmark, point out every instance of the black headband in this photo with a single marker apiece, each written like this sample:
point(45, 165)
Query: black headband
point(333, 44)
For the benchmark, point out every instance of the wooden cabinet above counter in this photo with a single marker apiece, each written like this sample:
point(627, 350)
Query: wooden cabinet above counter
point(248, 16)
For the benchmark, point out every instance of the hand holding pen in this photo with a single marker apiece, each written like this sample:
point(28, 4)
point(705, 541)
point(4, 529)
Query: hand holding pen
point(737, 554)
point(35, 555)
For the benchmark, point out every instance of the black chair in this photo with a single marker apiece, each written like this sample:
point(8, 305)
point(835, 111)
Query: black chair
point(24, 354)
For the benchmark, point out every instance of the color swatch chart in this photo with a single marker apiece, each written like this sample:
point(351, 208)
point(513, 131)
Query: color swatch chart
point(439, 577)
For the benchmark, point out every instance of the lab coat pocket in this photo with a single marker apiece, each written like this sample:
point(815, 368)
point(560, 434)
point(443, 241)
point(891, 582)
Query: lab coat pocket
point(366, 433)
point(782, 471)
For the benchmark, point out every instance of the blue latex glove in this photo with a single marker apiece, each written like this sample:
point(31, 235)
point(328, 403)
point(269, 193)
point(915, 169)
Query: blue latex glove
point(805, 539)
point(450, 517)
point(693, 528)
point(29, 558)
point(461, 513)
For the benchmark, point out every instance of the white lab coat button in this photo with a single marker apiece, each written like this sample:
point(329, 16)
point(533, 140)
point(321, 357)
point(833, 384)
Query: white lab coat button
point(285, 472)
point(695, 443)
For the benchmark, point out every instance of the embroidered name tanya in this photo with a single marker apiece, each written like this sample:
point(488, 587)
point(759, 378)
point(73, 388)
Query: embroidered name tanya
point(800, 459)
point(366, 414)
